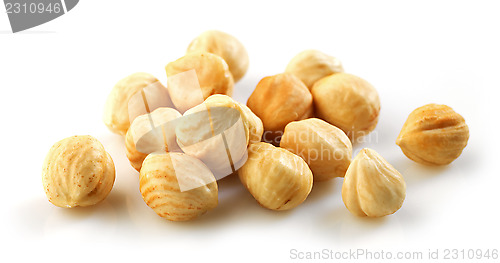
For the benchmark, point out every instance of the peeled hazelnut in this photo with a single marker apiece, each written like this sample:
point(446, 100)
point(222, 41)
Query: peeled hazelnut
point(255, 126)
point(278, 100)
point(249, 118)
point(150, 133)
point(372, 187)
point(312, 65)
point(216, 132)
point(324, 147)
point(348, 102)
point(225, 46)
point(177, 186)
point(126, 100)
point(276, 178)
point(77, 171)
point(211, 76)
point(433, 135)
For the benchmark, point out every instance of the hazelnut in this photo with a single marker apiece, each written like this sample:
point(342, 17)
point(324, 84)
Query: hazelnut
point(324, 147)
point(433, 135)
point(312, 65)
point(150, 133)
point(177, 186)
point(225, 46)
point(215, 132)
point(348, 102)
point(278, 100)
point(255, 126)
point(372, 187)
point(205, 74)
point(127, 100)
point(276, 178)
point(77, 171)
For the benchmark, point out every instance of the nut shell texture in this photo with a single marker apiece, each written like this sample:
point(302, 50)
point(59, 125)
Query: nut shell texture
point(77, 171)
point(116, 111)
point(225, 46)
point(312, 65)
point(433, 135)
point(280, 99)
point(348, 102)
point(372, 187)
point(323, 146)
point(162, 178)
point(276, 178)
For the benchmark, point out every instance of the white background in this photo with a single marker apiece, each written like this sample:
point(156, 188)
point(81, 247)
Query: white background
point(55, 79)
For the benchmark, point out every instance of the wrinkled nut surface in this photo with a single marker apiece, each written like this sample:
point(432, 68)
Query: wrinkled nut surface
point(212, 76)
point(225, 46)
point(149, 133)
point(372, 187)
point(348, 102)
point(312, 65)
point(433, 135)
point(278, 100)
point(276, 178)
point(116, 111)
point(216, 132)
point(162, 179)
point(77, 171)
point(324, 147)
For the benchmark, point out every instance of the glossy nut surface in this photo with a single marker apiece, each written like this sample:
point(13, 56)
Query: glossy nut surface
point(154, 132)
point(177, 187)
point(116, 111)
point(255, 126)
point(211, 76)
point(276, 178)
point(77, 171)
point(372, 187)
point(433, 135)
point(324, 147)
point(225, 46)
point(278, 100)
point(312, 65)
point(348, 102)
point(216, 132)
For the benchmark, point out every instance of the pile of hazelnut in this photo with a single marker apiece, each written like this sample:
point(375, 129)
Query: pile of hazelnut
point(296, 128)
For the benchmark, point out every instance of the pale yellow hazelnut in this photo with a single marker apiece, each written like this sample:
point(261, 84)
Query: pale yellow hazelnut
point(77, 171)
point(276, 178)
point(255, 126)
point(325, 148)
point(313, 65)
point(150, 133)
point(131, 97)
point(216, 132)
point(372, 187)
point(433, 135)
point(348, 102)
point(225, 46)
point(211, 76)
point(177, 186)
